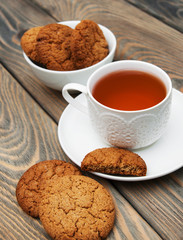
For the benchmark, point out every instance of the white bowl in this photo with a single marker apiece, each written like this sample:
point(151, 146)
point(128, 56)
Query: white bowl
point(57, 79)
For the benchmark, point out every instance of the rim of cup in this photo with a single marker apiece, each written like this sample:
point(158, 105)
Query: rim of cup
point(108, 67)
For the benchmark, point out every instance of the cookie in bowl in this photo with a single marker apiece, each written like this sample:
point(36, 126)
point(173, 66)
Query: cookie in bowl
point(71, 55)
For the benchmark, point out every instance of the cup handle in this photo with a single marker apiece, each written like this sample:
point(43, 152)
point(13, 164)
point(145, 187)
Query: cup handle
point(73, 101)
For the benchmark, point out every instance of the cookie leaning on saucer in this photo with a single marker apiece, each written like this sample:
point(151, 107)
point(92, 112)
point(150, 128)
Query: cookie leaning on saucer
point(28, 187)
point(114, 161)
point(76, 207)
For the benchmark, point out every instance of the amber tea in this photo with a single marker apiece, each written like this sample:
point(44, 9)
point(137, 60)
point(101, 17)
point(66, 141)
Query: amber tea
point(129, 90)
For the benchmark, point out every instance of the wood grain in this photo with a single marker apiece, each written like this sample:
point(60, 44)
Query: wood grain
point(139, 36)
point(29, 135)
point(12, 28)
point(160, 202)
point(168, 11)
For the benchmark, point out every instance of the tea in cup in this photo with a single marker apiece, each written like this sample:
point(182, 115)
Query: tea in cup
point(128, 102)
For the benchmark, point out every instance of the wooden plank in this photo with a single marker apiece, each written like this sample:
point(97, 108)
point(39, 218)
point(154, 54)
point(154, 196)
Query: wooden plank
point(18, 16)
point(168, 11)
point(29, 135)
point(139, 36)
point(160, 202)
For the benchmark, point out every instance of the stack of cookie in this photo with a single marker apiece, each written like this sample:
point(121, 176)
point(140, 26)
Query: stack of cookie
point(61, 48)
point(69, 205)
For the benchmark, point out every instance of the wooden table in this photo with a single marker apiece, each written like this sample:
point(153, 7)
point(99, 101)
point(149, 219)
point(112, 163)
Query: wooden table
point(151, 31)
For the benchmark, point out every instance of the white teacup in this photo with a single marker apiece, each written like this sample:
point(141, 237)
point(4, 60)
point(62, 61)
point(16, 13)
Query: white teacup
point(127, 129)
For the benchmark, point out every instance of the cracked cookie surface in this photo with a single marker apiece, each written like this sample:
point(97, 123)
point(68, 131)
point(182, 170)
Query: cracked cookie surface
point(53, 47)
point(88, 44)
point(29, 42)
point(114, 161)
point(28, 187)
point(76, 207)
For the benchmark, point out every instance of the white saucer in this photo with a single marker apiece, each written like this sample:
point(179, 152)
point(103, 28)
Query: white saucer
point(77, 138)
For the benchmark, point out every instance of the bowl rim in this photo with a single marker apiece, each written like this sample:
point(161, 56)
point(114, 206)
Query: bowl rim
point(113, 49)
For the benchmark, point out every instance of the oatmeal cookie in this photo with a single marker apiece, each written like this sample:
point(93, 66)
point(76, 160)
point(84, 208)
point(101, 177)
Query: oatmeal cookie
point(53, 47)
point(114, 161)
point(29, 41)
point(88, 44)
point(28, 187)
point(76, 207)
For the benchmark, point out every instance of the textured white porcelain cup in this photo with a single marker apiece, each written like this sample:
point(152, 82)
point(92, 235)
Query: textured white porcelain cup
point(128, 129)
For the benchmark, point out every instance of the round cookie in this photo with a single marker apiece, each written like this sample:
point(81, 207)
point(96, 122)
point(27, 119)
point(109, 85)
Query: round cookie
point(28, 187)
point(53, 47)
point(29, 41)
point(76, 207)
point(88, 44)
